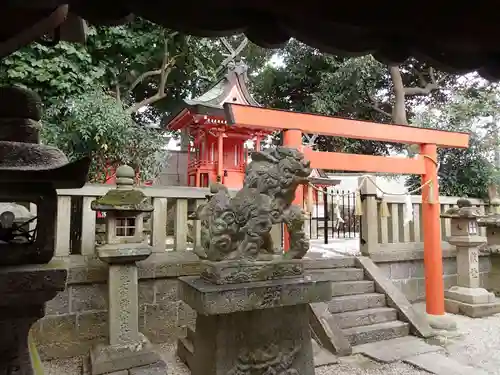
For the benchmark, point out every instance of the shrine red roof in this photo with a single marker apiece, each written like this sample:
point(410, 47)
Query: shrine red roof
point(209, 106)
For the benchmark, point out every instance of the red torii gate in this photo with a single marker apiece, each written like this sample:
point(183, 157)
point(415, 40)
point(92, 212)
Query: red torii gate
point(294, 123)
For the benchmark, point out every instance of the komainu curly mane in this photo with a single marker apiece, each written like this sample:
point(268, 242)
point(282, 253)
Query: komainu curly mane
point(239, 227)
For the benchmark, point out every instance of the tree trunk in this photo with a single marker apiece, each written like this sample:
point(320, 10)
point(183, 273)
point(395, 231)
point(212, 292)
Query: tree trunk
point(399, 109)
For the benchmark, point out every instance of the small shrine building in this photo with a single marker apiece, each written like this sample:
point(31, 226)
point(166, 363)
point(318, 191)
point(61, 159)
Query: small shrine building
point(215, 151)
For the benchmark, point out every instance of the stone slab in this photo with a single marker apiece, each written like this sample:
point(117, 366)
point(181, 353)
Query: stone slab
point(396, 349)
point(472, 310)
point(396, 298)
point(322, 357)
point(469, 295)
point(158, 368)
point(273, 340)
point(439, 364)
point(328, 332)
point(242, 271)
point(106, 358)
point(123, 253)
point(211, 299)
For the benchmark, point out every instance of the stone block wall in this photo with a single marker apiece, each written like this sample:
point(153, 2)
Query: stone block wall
point(407, 272)
point(77, 318)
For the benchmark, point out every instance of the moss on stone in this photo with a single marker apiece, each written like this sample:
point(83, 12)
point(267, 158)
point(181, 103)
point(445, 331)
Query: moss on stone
point(123, 200)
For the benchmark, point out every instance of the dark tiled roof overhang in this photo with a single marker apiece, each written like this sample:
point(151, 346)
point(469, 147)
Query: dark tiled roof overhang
point(454, 37)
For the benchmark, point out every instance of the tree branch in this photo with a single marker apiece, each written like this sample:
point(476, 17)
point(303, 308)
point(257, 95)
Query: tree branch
point(143, 76)
point(376, 107)
point(164, 71)
point(426, 87)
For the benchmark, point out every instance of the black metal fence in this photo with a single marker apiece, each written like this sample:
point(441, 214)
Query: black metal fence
point(324, 222)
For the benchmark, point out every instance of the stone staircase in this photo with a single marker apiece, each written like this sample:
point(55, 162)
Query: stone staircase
point(358, 313)
point(357, 310)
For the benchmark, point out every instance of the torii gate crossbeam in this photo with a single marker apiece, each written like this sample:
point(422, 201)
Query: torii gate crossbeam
point(294, 124)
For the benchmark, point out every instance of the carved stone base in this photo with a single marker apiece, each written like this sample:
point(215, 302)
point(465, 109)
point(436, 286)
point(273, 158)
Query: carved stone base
point(253, 328)
point(112, 358)
point(24, 291)
point(477, 310)
point(469, 295)
point(241, 271)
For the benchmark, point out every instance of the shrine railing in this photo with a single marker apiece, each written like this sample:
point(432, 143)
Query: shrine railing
point(386, 234)
point(169, 228)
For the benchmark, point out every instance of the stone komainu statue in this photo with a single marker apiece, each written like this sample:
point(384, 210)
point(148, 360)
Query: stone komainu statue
point(239, 227)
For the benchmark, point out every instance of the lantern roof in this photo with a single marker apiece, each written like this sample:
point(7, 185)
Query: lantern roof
point(465, 210)
point(451, 38)
point(230, 87)
point(124, 197)
point(22, 158)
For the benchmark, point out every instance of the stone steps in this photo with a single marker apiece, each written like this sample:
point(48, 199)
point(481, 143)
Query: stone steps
point(365, 317)
point(376, 332)
point(345, 288)
point(339, 274)
point(356, 302)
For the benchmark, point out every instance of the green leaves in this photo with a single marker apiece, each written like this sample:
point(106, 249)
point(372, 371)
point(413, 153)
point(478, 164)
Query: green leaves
point(97, 124)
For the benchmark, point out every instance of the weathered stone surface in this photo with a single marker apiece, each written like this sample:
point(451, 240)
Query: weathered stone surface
point(322, 357)
point(396, 299)
point(109, 358)
point(469, 295)
point(92, 325)
point(206, 298)
point(186, 315)
point(239, 227)
point(88, 297)
point(338, 274)
point(343, 288)
point(396, 349)
point(166, 290)
point(365, 317)
point(329, 263)
point(243, 271)
point(356, 302)
point(59, 304)
point(328, 333)
point(146, 290)
point(228, 343)
point(473, 310)
point(439, 364)
point(123, 253)
point(160, 322)
point(158, 368)
point(376, 332)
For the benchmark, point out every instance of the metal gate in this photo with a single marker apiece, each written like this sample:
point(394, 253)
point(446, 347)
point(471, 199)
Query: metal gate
point(326, 222)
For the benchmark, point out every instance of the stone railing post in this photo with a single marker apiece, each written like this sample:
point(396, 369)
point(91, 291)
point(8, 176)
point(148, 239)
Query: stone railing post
point(180, 224)
point(63, 227)
point(159, 225)
point(369, 219)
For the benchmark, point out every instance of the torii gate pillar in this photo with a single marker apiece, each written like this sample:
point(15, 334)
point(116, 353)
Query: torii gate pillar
point(293, 138)
point(433, 255)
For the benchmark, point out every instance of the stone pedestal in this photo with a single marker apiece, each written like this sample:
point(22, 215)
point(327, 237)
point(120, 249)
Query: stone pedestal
point(258, 327)
point(24, 291)
point(128, 350)
point(468, 298)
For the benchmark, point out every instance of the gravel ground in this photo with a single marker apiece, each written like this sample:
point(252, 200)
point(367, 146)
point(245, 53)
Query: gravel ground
point(478, 346)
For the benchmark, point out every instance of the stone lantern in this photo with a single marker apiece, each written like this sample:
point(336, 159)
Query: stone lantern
point(124, 246)
point(29, 173)
point(492, 224)
point(468, 297)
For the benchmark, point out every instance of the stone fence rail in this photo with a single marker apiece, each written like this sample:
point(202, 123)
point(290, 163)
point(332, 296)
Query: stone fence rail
point(382, 235)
